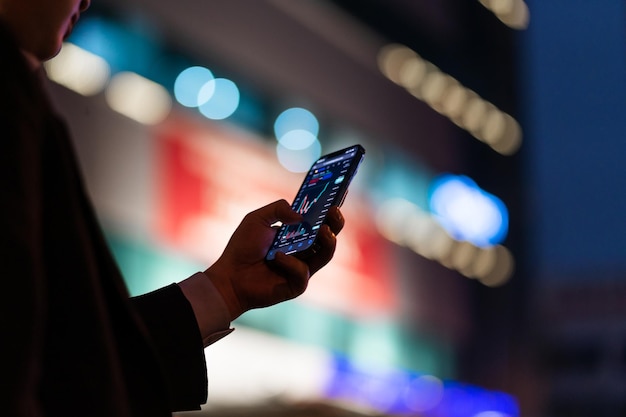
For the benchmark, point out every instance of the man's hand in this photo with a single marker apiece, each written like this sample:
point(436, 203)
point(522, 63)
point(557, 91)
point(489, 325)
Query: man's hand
point(243, 276)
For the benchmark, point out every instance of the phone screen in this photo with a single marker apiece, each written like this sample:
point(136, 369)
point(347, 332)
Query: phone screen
point(325, 185)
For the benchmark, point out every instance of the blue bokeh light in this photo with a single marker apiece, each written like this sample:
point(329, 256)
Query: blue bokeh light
point(295, 118)
point(190, 83)
point(402, 392)
point(467, 212)
point(296, 131)
point(222, 99)
point(298, 139)
point(298, 160)
point(119, 46)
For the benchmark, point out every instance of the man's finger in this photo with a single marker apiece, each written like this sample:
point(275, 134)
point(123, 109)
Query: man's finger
point(278, 211)
point(326, 243)
point(335, 220)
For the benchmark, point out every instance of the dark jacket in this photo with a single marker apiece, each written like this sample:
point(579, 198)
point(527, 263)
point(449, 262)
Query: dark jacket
point(72, 343)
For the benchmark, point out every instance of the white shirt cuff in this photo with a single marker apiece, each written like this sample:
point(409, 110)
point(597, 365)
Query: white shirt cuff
point(211, 312)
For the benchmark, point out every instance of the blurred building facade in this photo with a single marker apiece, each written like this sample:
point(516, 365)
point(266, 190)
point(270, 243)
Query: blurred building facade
point(394, 323)
point(574, 83)
point(416, 315)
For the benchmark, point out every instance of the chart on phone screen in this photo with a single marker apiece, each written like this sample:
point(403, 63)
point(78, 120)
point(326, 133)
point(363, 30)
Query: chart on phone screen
point(316, 197)
point(313, 195)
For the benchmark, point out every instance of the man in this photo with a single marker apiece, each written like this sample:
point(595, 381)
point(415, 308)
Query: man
point(72, 342)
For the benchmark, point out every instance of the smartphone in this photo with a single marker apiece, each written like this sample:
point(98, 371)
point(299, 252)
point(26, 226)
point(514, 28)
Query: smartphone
point(325, 185)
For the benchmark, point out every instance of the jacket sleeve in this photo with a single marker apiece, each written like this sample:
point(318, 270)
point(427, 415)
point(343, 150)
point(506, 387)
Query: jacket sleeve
point(21, 298)
point(171, 325)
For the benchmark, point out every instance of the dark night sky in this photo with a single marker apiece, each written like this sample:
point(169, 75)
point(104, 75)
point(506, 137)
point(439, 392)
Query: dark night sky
point(574, 99)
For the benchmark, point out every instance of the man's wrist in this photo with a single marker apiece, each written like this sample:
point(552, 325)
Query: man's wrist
point(212, 313)
point(223, 286)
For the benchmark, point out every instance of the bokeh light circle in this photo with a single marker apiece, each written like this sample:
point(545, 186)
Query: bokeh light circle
point(189, 83)
point(223, 102)
point(295, 118)
point(298, 139)
point(298, 160)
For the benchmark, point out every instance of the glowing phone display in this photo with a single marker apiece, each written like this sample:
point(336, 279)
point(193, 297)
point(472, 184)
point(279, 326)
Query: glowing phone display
point(325, 185)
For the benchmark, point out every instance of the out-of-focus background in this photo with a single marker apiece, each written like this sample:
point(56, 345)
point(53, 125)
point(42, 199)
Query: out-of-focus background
point(481, 272)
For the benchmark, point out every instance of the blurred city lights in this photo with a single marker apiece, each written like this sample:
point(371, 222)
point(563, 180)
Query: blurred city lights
point(407, 393)
point(297, 139)
point(295, 118)
point(107, 39)
point(298, 160)
point(219, 99)
point(78, 70)
point(189, 83)
point(467, 212)
point(206, 92)
point(513, 13)
point(402, 66)
point(400, 221)
point(215, 98)
point(424, 393)
point(448, 97)
point(353, 384)
point(501, 269)
point(138, 98)
point(296, 131)
point(405, 224)
point(492, 414)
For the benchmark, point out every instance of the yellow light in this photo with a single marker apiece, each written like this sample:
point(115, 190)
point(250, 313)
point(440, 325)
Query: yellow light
point(502, 269)
point(463, 257)
point(385, 216)
point(454, 101)
point(518, 17)
point(440, 245)
point(500, 7)
point(513, 13)
point(138, 98)
point(391, 59)
point(511, 139)
point(494, 126)
point(412, 72)
point(434, 89)
point(444, 94)
point(483, 264)
point(421, 234)
point(405, 224)
point(474, 115)
point(78, 70)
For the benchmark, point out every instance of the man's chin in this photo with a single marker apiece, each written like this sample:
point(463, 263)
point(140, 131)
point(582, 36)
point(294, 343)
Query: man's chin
point(50, 52)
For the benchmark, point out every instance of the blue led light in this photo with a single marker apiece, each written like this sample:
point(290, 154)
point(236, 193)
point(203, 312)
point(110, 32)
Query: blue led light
point(402, 392)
